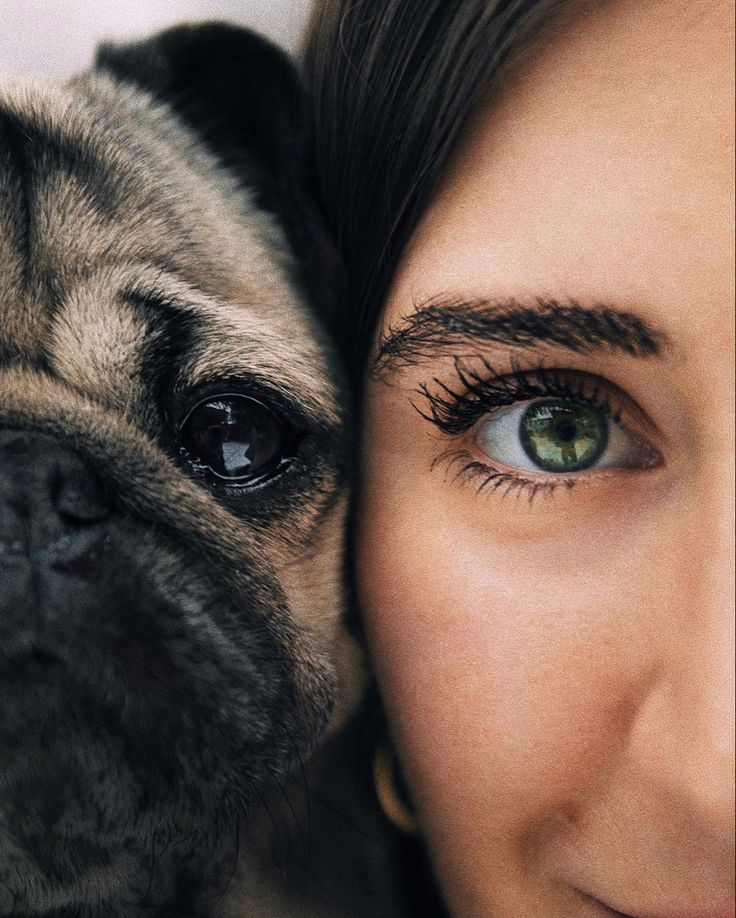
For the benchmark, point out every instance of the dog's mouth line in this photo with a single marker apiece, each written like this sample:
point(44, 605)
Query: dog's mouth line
point(114, 692)
point(27, 663)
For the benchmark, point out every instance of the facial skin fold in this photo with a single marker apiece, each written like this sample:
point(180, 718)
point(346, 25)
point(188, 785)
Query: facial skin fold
point(557, 655)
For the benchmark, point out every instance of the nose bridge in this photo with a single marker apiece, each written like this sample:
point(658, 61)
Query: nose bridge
point(683, 734)
point(27, 466)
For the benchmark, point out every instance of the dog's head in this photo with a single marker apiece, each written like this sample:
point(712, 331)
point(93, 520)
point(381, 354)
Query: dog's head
point(172, 466)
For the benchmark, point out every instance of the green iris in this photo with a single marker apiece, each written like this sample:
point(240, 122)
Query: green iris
point(562, 436)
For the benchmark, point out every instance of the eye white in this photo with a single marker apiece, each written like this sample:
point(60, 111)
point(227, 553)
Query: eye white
point(498, 435)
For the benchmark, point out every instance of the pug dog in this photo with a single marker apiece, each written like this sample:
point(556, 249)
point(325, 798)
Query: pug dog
point(174, 462)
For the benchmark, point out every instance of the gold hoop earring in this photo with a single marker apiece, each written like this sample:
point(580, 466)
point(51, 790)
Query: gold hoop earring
point(390, 798)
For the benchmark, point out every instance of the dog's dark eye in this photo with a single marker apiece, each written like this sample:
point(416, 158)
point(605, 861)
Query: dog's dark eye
point(235, 437)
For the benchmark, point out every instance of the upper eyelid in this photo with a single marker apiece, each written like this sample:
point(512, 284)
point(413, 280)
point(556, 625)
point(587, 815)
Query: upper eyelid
point(608, 395)
point(509, 387)
point(259, 388)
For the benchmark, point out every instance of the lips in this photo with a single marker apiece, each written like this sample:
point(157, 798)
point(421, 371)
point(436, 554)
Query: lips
point(719, 912)
point(710, 913)
point(604, 908)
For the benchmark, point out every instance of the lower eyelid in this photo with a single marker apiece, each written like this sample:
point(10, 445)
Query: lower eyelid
point(461, 465)
point(455, 462)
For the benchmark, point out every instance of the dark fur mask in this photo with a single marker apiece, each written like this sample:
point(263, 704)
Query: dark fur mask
point(170, 616)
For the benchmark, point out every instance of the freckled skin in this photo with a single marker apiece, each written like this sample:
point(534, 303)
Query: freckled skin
point(559, 674)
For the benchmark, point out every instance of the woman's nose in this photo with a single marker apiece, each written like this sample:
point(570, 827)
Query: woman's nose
point(683, 733)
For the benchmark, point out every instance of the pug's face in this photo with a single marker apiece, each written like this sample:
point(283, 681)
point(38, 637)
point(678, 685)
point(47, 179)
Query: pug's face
point(171, 501)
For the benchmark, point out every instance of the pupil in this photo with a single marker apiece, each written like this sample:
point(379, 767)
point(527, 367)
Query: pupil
point(567, 430)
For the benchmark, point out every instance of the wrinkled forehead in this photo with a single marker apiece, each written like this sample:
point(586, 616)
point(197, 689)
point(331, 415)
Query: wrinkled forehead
point(136, 331)
point(120, 240)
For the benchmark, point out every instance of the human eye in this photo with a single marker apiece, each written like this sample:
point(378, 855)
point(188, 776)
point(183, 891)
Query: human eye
point(557, 436)
point(536, 429)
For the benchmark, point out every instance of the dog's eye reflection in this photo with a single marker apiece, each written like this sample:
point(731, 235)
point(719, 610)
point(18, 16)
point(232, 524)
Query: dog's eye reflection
point(235, 437)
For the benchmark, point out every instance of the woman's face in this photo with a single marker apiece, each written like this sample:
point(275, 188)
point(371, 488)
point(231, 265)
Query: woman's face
point(545, 543)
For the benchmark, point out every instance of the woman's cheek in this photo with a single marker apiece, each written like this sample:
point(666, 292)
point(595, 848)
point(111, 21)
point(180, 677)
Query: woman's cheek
point(508, 662)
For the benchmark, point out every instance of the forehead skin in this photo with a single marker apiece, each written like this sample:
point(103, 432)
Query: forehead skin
point(583, 154)
point(559, 676)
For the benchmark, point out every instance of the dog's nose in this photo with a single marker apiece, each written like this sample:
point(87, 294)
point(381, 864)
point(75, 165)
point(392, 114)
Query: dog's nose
point(54, 531)
point(48, 496)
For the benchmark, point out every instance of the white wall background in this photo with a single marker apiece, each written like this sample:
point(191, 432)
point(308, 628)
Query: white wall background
point(57, 37)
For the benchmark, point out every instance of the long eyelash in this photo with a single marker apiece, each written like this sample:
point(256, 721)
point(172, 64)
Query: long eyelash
point(480, 391)
point(490, 479)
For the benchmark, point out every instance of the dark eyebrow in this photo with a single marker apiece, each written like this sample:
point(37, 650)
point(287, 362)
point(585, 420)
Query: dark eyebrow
point(439, 328)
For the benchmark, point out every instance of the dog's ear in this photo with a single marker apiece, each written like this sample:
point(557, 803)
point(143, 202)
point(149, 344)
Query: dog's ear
point(241, 95)
point(237, 90)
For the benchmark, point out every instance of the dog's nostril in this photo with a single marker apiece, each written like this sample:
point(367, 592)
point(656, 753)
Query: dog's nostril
point(43, 657)
point(49, 495)
point(77, 494)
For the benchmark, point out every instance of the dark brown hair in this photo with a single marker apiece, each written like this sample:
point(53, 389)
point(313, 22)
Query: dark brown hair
point(393, 83)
